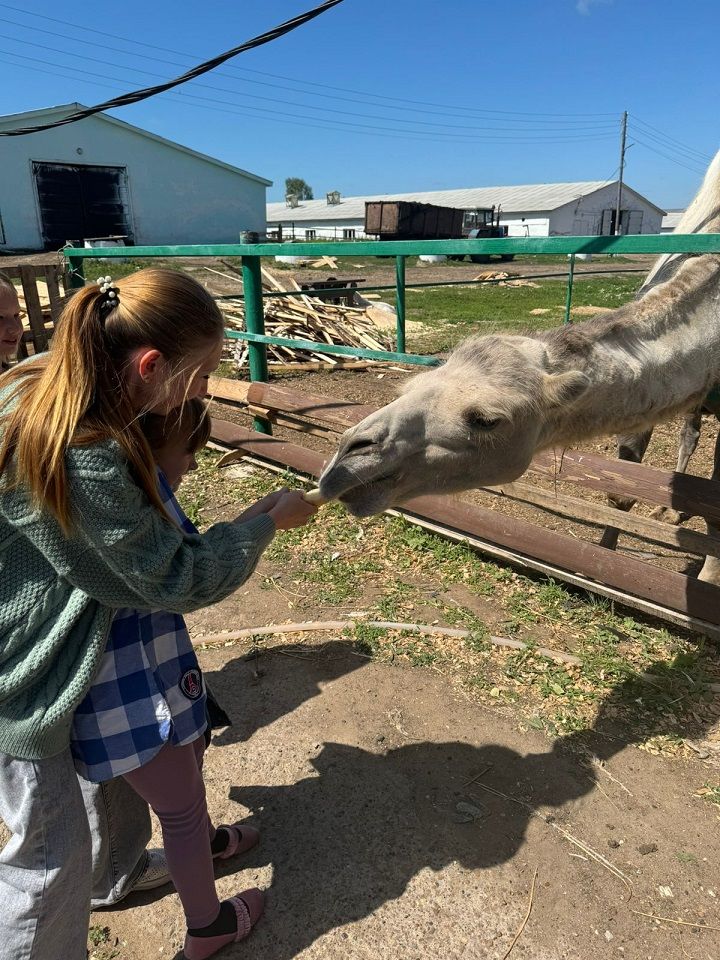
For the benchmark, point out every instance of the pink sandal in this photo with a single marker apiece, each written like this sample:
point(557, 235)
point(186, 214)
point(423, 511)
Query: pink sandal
point(241, 838)
point(248, 909)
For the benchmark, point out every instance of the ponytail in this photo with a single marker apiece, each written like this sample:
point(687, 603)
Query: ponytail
point(77, 394)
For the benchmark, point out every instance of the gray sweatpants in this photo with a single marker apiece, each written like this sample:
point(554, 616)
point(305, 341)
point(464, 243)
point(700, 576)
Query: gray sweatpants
point(72, 842)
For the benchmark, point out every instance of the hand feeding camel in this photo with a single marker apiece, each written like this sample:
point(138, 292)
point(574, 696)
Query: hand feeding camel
point(480, 418)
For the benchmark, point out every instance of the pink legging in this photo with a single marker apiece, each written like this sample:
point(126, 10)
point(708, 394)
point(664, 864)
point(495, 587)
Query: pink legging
point(172, 784)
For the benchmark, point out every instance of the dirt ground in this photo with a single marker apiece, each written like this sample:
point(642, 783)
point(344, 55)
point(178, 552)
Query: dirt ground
point(402, 818)
point(401, 821)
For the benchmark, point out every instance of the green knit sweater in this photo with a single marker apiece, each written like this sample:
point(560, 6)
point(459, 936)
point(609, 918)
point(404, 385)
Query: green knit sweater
point(58, 595)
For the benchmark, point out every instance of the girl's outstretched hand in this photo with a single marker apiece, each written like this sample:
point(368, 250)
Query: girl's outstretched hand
point(291, 510)
point(286, 507)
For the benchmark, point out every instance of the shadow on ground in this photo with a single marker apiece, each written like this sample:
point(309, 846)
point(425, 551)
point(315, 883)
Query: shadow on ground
point(353, 834)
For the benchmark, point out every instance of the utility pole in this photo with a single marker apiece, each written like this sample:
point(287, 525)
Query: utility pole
point(623, 135)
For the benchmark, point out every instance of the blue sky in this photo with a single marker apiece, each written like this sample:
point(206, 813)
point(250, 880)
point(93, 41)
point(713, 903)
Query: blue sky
point(382, 96)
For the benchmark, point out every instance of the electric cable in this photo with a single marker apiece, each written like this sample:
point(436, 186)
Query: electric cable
point(363, 93)
point(137, 95)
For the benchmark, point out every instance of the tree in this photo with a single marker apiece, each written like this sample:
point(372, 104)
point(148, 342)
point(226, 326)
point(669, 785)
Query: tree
point(297, 187)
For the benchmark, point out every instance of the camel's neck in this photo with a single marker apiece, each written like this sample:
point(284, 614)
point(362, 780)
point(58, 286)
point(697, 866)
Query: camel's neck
point(647, 361)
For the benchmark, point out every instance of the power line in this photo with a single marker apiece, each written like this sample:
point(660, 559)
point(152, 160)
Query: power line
point(675, 151)
point(363, 93)
point(426, 123)
point(329, 127)
point(235, 75)
point(186, 100)
point(436, 136)
point(666, 136)
point(137, 95)
point(679, 163)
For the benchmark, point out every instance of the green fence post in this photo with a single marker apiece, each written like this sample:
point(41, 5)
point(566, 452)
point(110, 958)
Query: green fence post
point(400, 303)
point(255, 323)
point(568, 298)
point(76, 272)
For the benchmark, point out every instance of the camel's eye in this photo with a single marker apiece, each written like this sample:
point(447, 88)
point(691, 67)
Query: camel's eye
point(475, 419)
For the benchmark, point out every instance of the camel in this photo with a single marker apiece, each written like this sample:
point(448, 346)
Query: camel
point(632, 447)
point(479, 419)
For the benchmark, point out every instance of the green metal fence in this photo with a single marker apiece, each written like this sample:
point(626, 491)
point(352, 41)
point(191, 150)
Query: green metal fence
point(398, 249)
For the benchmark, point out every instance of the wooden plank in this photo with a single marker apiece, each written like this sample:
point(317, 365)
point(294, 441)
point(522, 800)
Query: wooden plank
point(34, 308)
point(53, 291)
point(518, 560)
point(223, 388)
point(662, 587)
point(549, 570)
point(677, 538)
point(683, 492)
point(686, 594)
point(337, 413)
point(13, 270)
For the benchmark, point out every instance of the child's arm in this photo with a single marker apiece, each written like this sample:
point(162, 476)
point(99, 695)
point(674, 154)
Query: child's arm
point(124, 553)
point(287, 508)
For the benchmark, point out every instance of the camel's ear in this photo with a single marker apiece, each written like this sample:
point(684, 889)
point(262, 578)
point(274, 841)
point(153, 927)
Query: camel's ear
point(563, 389)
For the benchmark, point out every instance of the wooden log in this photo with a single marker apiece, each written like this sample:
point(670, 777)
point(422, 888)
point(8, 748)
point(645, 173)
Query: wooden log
point(677, 538)
point(689, 596)
point(34, 309)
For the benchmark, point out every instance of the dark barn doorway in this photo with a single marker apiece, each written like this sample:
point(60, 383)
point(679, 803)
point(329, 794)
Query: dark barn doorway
point(78, 201)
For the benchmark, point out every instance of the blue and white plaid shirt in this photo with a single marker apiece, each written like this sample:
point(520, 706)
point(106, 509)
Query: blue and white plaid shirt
point(149, 689)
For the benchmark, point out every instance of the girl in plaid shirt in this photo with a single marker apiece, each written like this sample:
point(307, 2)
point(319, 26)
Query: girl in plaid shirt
point(149, 694)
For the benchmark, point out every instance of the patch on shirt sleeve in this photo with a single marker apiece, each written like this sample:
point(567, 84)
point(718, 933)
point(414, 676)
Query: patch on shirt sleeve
point(191, 683)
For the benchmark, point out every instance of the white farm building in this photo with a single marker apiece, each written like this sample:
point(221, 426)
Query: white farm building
point(102, 177)
point(582, 208)
point(671, 220)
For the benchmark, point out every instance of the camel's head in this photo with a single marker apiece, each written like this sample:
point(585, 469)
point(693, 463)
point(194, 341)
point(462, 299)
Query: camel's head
point(475, 421)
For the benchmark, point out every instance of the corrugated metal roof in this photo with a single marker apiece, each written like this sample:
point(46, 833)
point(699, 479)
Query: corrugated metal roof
point(64, 109)
point(671, 219)
point(525, 198)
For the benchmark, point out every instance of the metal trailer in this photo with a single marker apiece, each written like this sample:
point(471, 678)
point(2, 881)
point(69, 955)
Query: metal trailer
point(406, 220)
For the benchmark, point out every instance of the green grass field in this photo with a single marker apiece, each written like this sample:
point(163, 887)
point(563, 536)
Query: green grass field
point(450, 314)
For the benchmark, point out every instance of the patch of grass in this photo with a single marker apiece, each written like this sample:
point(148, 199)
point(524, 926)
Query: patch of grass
point(453, 313)
point(366, 638)
point(98, 935)
point(100, 946)
point(711, 793)
point(121, 267)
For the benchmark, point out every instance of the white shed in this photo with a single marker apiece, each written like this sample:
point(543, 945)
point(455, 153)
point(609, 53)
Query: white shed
point(578, 208)
point(103, 177)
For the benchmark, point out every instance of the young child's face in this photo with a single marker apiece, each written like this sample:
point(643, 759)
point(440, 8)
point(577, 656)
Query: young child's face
point(175, 459)
point(11, 327)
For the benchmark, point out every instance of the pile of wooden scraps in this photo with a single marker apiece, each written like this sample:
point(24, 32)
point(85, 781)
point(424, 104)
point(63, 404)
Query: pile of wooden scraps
point(305, 318)
point(502, 280)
